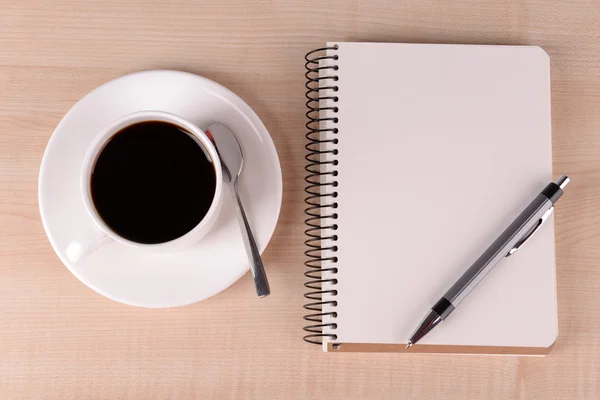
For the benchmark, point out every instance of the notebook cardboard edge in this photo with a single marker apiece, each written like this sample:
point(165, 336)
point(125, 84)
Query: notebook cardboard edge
point(439, 349)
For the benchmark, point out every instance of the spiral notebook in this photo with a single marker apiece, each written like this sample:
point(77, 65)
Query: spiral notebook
point(419, 156)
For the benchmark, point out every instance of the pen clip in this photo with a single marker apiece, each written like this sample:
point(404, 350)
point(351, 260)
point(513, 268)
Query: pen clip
point(521, 242)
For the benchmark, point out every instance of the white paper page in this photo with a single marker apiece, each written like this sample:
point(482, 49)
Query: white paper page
point(440, 148)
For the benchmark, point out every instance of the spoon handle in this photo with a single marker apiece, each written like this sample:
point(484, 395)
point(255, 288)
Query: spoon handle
point(256, 266)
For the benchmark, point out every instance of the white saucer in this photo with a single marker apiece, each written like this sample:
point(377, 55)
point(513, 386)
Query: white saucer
point(139, 278)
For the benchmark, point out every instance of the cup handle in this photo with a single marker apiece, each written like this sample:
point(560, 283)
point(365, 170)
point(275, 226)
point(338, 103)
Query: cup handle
point(79, 249)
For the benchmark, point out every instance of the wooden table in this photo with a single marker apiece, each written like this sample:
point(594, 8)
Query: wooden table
point(60, 340)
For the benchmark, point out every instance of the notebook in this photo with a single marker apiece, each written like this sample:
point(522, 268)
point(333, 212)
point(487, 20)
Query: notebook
point(420, 155)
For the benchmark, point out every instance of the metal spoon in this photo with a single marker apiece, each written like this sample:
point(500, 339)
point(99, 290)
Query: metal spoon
point(232, 162)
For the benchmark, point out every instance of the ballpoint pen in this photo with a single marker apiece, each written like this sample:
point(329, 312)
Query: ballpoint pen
point(511, 240)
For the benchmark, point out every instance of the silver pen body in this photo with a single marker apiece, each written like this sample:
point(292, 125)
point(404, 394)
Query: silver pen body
point(524, 223)
point(513, 237)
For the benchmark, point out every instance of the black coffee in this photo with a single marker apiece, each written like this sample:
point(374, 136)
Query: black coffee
point(153, 182)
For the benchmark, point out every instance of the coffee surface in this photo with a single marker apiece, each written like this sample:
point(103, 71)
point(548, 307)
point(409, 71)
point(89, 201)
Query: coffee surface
point(153, 182)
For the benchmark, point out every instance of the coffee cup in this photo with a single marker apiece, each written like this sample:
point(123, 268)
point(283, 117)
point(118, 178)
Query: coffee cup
point(151, 180)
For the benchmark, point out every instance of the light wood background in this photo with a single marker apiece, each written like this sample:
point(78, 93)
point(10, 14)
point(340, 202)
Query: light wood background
point(60, 340)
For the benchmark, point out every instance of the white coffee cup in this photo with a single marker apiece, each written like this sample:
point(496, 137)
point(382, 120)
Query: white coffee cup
point(100, 234)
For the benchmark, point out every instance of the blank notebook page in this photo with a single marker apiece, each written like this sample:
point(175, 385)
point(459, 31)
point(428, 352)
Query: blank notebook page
point(440, 148)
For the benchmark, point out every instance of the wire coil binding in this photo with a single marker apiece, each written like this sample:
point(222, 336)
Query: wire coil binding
point(321, 138)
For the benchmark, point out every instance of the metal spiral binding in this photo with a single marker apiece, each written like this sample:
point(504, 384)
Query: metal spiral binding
point(317, 211)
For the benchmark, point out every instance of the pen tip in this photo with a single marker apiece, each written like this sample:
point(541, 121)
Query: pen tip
point(408, 345)
point(563, 181)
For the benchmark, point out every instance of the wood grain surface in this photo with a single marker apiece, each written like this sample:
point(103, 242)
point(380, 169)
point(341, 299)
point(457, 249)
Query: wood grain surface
point(60, 340)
